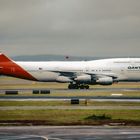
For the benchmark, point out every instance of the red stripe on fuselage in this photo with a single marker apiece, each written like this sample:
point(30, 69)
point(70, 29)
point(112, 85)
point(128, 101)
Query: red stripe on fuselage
point(10, 68)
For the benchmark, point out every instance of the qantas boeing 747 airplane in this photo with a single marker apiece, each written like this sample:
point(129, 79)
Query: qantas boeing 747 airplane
point(79, 74)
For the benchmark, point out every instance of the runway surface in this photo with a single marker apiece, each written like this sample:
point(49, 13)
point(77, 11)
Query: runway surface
point(70, 133)
point(62, 98)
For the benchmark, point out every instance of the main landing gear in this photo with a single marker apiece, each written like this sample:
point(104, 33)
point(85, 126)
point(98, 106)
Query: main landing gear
point(78, 86)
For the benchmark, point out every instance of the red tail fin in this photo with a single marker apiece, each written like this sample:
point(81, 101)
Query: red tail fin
point(4, 58)
point(11, 68)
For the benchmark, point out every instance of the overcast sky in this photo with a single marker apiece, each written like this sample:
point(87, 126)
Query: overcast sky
point(70, 27)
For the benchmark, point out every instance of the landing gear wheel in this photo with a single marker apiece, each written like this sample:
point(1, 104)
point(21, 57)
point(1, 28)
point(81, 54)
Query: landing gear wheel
point(70, 86)
point(73, 86)
point(82, 86)
point(77, 86)
point(86, 86)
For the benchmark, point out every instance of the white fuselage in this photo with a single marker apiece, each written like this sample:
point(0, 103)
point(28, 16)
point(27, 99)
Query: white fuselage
point(125, 69)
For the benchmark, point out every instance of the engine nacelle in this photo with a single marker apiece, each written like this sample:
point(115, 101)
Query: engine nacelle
point(63, 79)
point(105, 81)
point(83, 78)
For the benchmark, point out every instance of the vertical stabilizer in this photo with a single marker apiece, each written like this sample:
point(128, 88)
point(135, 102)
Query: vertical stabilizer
point(4, 58)
point(11, 68)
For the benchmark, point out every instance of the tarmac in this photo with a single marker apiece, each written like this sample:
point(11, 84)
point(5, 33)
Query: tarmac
point(69, 133)
point(64, 98)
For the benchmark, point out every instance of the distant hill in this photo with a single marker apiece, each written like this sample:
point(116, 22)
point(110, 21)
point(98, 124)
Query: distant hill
point(54, 58)
point(51, 58)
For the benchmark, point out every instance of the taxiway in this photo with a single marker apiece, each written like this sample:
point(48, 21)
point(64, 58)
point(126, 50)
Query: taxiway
point(70, 133)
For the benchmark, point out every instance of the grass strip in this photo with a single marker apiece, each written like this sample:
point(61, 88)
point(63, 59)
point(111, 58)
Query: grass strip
point(70, 117)
point(67, 116)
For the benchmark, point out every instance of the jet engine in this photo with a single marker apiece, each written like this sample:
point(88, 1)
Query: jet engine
point(105, 81)
point(83, 78)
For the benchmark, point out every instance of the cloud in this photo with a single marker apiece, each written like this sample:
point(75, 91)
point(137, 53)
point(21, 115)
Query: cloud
point(71, 27)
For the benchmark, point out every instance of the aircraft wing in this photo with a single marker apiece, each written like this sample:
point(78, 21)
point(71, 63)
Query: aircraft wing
point(98, 75)
point(73, 75)
point(66, 73)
